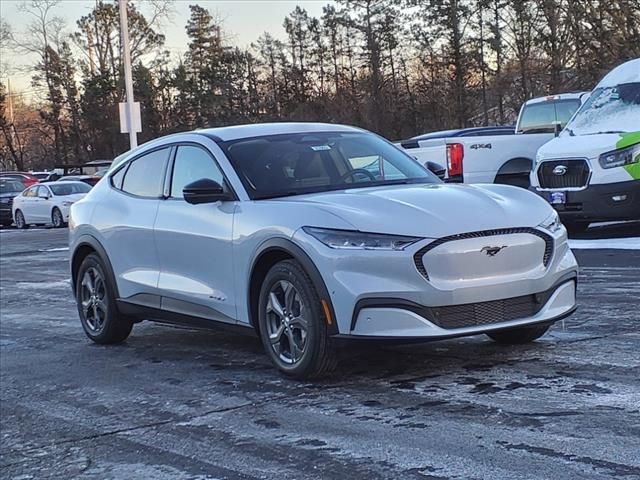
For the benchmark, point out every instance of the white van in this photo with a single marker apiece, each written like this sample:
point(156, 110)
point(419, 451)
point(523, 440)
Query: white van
point(591, 171)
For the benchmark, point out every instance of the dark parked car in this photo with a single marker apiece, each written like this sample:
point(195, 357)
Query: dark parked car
point(26, 178)
point(9, 188)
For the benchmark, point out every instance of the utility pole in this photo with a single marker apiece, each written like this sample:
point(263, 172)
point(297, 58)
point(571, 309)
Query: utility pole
point(128, 80)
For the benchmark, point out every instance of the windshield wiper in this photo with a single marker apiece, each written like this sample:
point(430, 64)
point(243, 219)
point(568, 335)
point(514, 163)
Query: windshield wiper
point(606, 132)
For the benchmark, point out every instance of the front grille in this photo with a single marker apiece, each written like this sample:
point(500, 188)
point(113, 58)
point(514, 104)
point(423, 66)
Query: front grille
point(486, 313)
point(548, 241)
point(576, 174)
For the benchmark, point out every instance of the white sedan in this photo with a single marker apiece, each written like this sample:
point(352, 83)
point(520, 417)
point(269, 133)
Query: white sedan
point(42, 204)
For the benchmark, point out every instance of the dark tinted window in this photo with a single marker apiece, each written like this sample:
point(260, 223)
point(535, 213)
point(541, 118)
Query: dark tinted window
point(145, 174)
point(9, 186)
point(283, 165)
point(193, 163)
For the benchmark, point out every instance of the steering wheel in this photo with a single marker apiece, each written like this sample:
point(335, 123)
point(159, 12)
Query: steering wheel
point(357, 171)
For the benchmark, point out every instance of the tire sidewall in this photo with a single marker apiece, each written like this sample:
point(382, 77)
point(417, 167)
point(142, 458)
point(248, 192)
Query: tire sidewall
point(292, 271)
point(53, 217)
point(21, 225)
point(92, 260)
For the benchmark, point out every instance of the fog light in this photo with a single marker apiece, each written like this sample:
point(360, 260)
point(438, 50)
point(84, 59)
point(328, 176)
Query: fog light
point(619, 198)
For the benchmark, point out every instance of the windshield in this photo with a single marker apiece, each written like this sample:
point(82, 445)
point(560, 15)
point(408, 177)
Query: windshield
point(9, 186)
point(282, 165)
point(69, 188)
point(609, 110)
point(542, 117)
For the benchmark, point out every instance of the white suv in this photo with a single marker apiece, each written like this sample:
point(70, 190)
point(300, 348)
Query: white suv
point(308, 234)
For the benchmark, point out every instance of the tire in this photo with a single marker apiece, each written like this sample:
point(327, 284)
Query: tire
point(575, 227)
point(95, 299)
point(520, 335)
point(20, 221)
point(295, 317)
point(56, 218)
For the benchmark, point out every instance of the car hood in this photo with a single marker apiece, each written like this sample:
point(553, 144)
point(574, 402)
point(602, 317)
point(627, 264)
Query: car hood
point(579, 146)
point(432, 211)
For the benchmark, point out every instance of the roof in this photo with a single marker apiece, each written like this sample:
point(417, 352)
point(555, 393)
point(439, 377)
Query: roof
point(626, 73)
point(263, 129)
point(462, 132)
point(559, 96)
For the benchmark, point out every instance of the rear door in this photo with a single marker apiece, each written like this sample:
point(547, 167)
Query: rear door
point(127, 220)
point(195, 242)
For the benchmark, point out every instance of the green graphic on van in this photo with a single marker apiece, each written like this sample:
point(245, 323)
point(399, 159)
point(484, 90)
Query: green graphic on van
point(627, 140)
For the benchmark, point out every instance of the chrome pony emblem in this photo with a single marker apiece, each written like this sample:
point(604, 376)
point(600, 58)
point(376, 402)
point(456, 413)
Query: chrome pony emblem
point(492, 251)
point(560, 170)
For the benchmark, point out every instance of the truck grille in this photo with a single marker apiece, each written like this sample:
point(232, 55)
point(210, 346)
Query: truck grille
point(576, 174)
point(486, 313)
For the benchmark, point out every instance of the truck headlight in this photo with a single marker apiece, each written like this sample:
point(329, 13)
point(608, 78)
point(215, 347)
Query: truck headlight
point(351, 239)
point(552, 223)
point(620, 157)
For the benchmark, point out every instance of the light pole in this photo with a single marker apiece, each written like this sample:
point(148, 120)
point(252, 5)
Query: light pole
point(128, 80)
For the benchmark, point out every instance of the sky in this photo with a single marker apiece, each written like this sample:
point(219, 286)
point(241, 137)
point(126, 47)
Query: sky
point(243, 22)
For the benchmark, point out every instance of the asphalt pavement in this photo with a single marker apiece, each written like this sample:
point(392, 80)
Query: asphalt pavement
point(175, 403)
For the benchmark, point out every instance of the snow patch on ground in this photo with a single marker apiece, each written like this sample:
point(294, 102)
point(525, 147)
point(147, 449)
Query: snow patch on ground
point(632, 243)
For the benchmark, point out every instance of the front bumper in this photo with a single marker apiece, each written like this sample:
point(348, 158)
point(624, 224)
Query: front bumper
point(596, 202)
point(5, 215)
point(397, 319)
point(360, 282)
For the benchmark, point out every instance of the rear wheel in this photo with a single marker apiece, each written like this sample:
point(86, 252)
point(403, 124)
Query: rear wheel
point(95, 298)
point(20, 221)
point(292, 324)
point(520, 335)
point(56, 218)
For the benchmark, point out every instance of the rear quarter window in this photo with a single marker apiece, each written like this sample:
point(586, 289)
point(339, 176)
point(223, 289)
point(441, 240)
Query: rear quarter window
point(144, 177)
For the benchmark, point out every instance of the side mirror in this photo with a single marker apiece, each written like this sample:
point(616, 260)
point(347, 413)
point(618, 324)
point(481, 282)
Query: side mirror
point(44, 196)
point(204, 190)
point(436, 168)
point(557, 128)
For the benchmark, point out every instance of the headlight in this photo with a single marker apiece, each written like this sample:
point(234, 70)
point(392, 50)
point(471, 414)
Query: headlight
point(67, 204)
point(349, 239)
point(621, 157)
point(552, 223)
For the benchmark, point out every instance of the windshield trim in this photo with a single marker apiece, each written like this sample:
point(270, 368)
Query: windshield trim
point(428, 178)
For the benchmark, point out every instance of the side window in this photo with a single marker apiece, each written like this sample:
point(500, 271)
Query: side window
point(145, 174)
point(191, 164)
point(31, 192)
point(116, 178)
point(43, 192)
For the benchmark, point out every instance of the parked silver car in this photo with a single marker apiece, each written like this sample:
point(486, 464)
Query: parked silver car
point(311, 233)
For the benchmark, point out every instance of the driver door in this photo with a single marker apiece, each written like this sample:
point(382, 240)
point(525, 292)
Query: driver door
point(195, 242)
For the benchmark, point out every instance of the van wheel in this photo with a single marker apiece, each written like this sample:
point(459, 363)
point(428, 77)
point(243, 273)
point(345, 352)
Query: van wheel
point(96, 303)
point(520, 335)
point(292, 324)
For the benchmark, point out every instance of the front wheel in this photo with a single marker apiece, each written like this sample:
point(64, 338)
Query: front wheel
point(520, 335)
point(292, 324)
point(95, 298)
point(20, 221)
point(56, 218)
